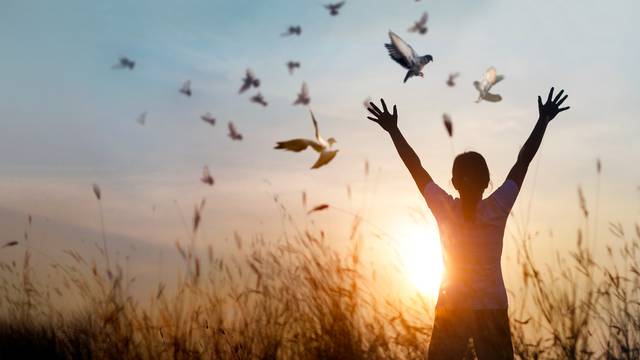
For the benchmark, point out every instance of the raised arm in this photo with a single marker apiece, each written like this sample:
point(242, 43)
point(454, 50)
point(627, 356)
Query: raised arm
point(547, 112)
point(389, 122)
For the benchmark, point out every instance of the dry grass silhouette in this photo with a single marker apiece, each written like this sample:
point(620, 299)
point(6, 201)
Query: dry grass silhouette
point(300, 298)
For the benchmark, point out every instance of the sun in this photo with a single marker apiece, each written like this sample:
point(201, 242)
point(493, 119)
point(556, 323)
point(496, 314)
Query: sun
point(421, 257)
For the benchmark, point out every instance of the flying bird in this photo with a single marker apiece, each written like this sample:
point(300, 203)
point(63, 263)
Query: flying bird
point(233, 133)
point(186, 88)
point(448, 124)
point(403, 54)
point(451, 81)
point(293, 30)
point(206, 176)
point(258, 99)
point(292, 65)
point(333, 8)
point(303, 96)
point(124, 63)
point(320, 145)
point(489, 79)
point(142, 118)
point(249, 80)
point(208, 118)
point(420, 26)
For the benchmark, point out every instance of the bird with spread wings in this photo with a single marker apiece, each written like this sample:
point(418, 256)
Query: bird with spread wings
point(320, 145)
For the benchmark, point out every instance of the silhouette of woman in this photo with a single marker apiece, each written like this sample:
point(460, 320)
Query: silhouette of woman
point(472, 301)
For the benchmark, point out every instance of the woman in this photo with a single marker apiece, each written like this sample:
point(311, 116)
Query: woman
point(472, 302)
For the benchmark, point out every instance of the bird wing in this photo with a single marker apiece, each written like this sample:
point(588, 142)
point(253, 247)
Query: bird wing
point(250, 74)
point(245, 86)
point(423, 19)
point(297, 145)
point(476, 84)
point(305, 90)
point(186, 85)
point(232, 129)
point(325, 157)
point(205, 172)
point(400, 51)
point(498, 79)
point(491, 97)
point(315, 127)
point(339, 5)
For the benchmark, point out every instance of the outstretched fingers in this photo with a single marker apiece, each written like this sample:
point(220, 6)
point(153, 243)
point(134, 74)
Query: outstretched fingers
point(395, 111)
point(555, 100)
point(374, 119)
point(374, 108)
point(539, 102)
point(384, 106)
point(374, 112)
point(550, 95)
point(562, 100)
point(564, 108)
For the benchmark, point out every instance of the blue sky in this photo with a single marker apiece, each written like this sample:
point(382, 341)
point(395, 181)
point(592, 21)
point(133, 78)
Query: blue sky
point(68, 120)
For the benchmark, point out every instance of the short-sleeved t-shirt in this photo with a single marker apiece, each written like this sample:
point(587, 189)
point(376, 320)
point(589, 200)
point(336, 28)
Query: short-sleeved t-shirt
point(472, 248)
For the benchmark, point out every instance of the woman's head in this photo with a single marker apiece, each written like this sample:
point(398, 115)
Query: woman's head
point(470, 173)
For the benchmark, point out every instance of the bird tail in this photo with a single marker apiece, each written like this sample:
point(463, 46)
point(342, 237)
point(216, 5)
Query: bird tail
point(409, 74)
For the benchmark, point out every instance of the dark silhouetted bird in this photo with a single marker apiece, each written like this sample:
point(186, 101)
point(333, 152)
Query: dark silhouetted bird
point(448, 124)
point(124, 63)
point(334, 8)
point(293, 30)
point(303, 96)
point(206, 176)
point(186, 88)
point(258, 99)
point(403, 54)
point(451, 81)
point(208, 118)
point(292, 65)
point(420, 26)
point(233, 133)
point(249, 80)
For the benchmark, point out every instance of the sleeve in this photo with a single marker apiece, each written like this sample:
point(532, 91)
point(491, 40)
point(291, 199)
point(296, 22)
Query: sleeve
point(437, 199)
point(504, 197)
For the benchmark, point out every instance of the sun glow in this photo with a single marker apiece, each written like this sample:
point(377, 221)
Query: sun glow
point(422, 258)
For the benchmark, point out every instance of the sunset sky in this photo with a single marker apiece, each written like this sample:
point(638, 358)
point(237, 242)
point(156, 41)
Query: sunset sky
point(69, 120)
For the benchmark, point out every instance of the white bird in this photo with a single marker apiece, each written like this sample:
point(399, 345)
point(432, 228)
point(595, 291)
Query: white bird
point(186, 88)
point(333, 8)
point(420, 26)
point(249, 80)
point(206, 176)
point(320, 145)
point(124, 62)
point(233, 133)
point(303, 96)
point(403, 54)
point(489, 79)
point(258, 99)
point(142, 118)
point(208, 118)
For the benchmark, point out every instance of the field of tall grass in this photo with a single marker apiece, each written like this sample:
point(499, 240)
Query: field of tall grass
point(299, 297)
